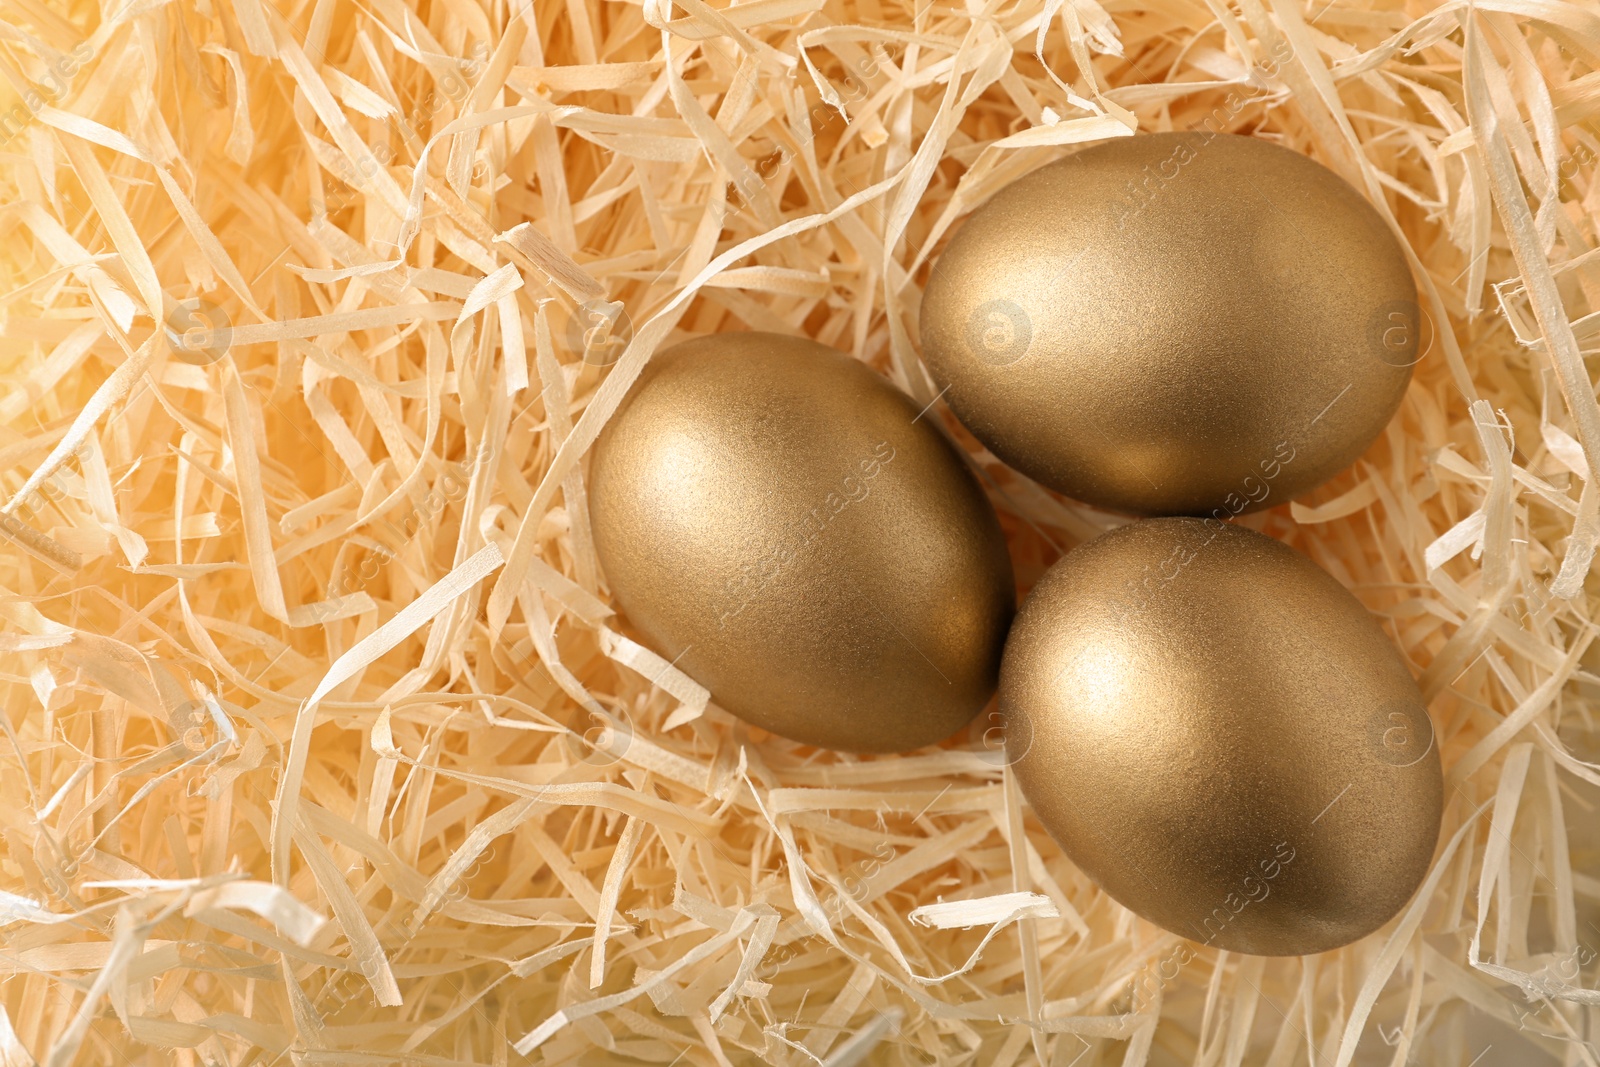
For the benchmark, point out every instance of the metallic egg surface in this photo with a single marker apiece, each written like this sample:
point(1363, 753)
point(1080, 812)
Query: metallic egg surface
point(1222, 737)
point(777, 519)
point(1174, 324)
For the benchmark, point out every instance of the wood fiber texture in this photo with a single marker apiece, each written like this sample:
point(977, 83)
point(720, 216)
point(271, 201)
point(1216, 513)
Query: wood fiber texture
point(323, 743)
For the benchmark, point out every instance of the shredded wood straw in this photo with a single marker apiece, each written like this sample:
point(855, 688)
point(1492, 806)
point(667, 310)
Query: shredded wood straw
point(322, 742)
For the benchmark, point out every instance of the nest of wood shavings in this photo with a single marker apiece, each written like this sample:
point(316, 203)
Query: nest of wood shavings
point(323, 743)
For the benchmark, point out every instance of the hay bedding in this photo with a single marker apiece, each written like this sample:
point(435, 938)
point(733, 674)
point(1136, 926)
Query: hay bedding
point(322, 742)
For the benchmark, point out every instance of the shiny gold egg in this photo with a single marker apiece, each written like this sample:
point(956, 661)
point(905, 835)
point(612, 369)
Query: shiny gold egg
point(779, 521)
point(1222, 737)
point(1174, 324)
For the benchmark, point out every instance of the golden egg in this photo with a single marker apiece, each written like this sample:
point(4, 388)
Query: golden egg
point(779, 521)
point(1174, 324)
point(1222, 737)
